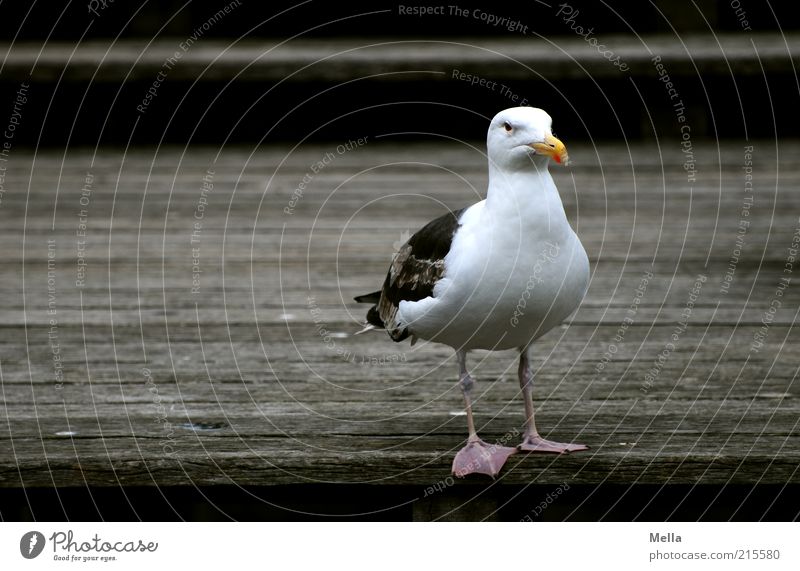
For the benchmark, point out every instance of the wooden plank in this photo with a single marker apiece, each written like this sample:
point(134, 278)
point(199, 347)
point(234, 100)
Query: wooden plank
point(342, 59)
point(255, 395)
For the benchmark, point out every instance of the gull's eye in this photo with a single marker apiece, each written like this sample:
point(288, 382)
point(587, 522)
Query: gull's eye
point(507, 126)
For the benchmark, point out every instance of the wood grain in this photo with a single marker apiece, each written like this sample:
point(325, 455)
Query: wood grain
point(393, 60)
point(236, 383)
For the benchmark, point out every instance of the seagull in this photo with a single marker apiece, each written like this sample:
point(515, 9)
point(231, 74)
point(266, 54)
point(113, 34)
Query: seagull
point(496, 275)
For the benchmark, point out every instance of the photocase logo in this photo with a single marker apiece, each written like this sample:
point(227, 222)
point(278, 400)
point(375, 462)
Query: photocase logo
point(31, 544)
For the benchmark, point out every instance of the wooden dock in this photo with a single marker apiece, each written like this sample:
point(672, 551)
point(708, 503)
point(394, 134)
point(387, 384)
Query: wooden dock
point(181, 319)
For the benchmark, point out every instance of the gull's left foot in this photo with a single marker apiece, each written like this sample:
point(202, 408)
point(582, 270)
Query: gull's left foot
point(478, 457)
point(539, 444)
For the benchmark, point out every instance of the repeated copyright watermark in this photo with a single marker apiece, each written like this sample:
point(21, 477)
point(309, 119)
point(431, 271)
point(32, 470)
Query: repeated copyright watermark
point(568, 14)
point(679, 110)
point(546, 256)
point(679, 329)
point(330, 339)
point(547, 501)
point(183, 48)
point(317, 167)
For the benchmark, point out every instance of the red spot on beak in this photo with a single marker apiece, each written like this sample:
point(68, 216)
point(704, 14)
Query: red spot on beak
point(557, 159)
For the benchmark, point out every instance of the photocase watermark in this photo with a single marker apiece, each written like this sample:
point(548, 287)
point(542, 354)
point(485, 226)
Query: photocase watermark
point(548, 500)
point(547, 255)
point(569, 15)
point(97, 6)
point(207, 185)
point(744, 221)
point(487, 453)
point(775, 303)
point(680, 327)
point(627, 321)
point(678, 107)
point(66, 547)
point(565, 11)
point(317, 167)
point(161, 414)
point(84, 200)
point(329, 337)
point(9, 132)
point(184, 47)
point(501, 88)
point(31, 544)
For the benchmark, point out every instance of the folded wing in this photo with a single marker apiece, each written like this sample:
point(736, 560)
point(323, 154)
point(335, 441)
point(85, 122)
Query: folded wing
point(415, 269)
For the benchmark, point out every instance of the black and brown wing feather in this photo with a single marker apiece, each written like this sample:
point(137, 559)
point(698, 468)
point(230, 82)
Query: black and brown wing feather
point(415, 269)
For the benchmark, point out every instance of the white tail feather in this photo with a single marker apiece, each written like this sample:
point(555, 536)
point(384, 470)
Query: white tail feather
point(367, 327)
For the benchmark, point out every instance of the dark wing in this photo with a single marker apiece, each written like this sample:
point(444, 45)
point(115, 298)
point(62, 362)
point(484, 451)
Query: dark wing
point(415, 269)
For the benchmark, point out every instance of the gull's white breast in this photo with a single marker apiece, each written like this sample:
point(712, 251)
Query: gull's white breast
point(506, 283)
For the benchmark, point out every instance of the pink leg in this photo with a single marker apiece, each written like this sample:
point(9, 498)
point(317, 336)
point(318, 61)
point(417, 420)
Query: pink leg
point(477, 457)
point(532, 442)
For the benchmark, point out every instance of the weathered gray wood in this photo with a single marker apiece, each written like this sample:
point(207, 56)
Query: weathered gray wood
point(254, 394)
point(342, 59)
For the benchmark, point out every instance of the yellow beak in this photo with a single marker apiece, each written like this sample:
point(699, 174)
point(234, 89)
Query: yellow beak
point(553, 148)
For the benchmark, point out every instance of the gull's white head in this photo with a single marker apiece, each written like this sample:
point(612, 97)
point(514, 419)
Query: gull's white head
point(520, 135)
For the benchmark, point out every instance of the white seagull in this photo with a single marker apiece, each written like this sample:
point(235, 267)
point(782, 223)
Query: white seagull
point(496, 275)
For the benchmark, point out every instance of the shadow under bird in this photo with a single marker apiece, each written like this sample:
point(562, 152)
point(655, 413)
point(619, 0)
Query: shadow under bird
point(496, 275)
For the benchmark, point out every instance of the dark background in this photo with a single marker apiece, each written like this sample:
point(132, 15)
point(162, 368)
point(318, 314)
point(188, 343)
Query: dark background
point(317, 19)
point(71, 109)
